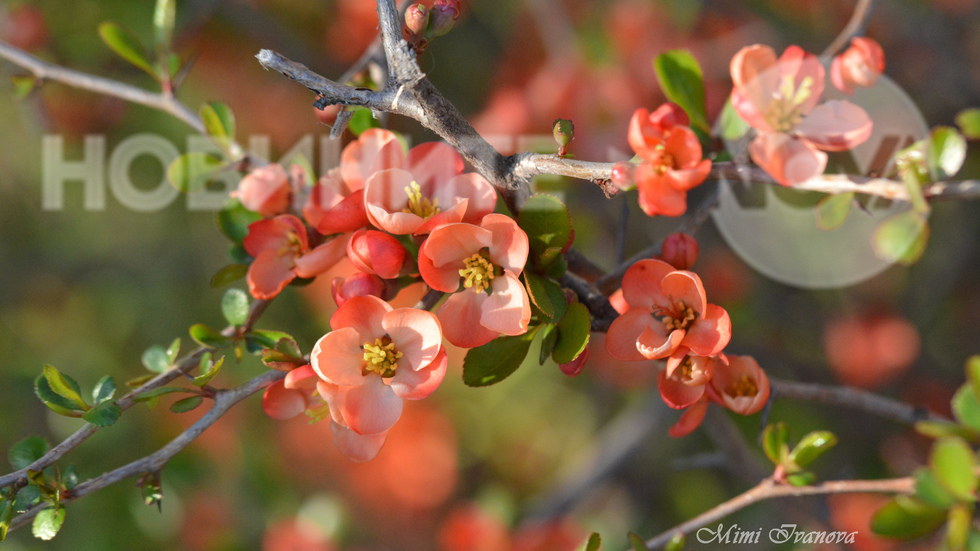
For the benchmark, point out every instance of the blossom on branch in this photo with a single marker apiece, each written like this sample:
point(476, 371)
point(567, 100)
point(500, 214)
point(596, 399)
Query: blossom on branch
point(265, 190)
point(739, 384)
point(859, 65)
point(282, 253)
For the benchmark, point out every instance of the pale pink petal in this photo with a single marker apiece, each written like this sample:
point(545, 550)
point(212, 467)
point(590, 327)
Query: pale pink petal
point(357, 447)
point(677, 394)
point(416, 334)
point(508, 309)
point(710, 333)
point(415, 385)
point(445, 279)
point(787, 159)
point(338, 358)
point(842, 82)
point(480, 194)
point(397, 223)
point(323, 196)
point(451, 215)
point(837, 125)
point(385, 197)
point(302, 377)
point(282, 403)
point(686, 287)
point(364, 314)
point(322, 257)
point(641, 284)
point(625, 331)
point(755, 75)
point(269, 274)
point(509, 248)
point(460, 319)
point(358, 157)
point(391, 155)
point(265, 190)
point(656, 342)
point(433, 163)
point(455, 242)
point(690, 420)
point(370, 408)
point(328, 392)
point(802, 66)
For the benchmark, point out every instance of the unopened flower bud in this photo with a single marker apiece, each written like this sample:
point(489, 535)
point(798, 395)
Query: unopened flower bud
point(376, 252)
point(680, 250)
point(417, 19)
point(576, 366)
point(860, 65)
point(444, 14)
point(357, 285)
point(564, 132)
point(622, 175)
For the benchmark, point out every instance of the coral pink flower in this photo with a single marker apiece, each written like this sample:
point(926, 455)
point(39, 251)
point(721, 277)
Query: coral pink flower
point(690, 419)
point(673, 159)
point(357, 285)
point(265, 190)
point(488, 257)
point(859, 65)
point(374, 357)
point(778, 97)
point(333, 207)
point(283, 403)
point(739, 384)
point(668, 309)
point(281, 251)
point(682, 382)
point(376, 252)
point(375, 149)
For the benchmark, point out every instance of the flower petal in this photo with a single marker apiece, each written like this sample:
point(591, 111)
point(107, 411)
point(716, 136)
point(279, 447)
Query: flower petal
point(302, 377)
point(643, 136)
point(370, 408)
point(684, 286)
point(509, 248)
point(787, 159)
point(710, 333)
point(346, 216)
point(460, 319)
point(690, 420)
point(415, 385)
point(358, 157)
point(337, 357)
point(433, 164)
point(364, 314)
point(802, 65)
point(357, 447)
point(686, 179)
point(837, 125)
point(656, 342)
point(656, 195)
point(416, 334)
point(322, 257)
point(683, 146)
point(480, 194)
point(508, 309)
point(269, 274)
point(271, 233)
point(625, 331)
point(282, 403)
point(451, 215)
point(756, 78)
point(442, 254)
point(642, 284)
point(677, 394)
point(385, 198)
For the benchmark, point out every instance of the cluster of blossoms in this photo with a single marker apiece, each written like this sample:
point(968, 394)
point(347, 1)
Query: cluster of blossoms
point(397, 217)
point(665, 315)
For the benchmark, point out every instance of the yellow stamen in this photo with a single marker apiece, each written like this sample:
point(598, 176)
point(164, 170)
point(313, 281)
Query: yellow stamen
point(743, 386)
point(478, 272)
point(381, 357)
point(685, 316)
point(418, 205)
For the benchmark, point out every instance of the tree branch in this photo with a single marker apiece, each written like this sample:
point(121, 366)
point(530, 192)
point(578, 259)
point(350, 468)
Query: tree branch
point(854, 27)
point(852, 398)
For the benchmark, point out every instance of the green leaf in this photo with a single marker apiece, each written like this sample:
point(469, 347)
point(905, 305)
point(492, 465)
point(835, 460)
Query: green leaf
point(55, 402)
point(682, 82)
point(26, 498)
point(546, 296)
point(206, 336)
point(498, 359)
point(234, 306)
point(361, 120)
point(973, 373)
point(969, 122)
point(229, 274)
point(103, 415)
point(953, 463)
point(929, 490)
point(958, 523)
point(947, 151)
point(812, 446)
point(48, 522)
point(803, 478)
point(139, 381)
point(219, 122)
point(210, 373)
point(775, 442)
point(594, 542)
point(191, 172)
point(151, 396)
point(69, 477)
point(832, 210)
point(234, 220)
point(104, 390)
point(939, 429)
point(23, 85)
point(27, 451)
point(966, 407)
point(573, 333)
point(186, 404)
point(549, 336)
point(63, 385)
point(732, 125)
point(906, 518)
point(6, 515)
point(548, 226)
point(164, 15)
point(173, 350)
point(258, 339)
point(155, 359)
point(902, 237)
point(126, 45)
point(637, 543)
point(676, 543)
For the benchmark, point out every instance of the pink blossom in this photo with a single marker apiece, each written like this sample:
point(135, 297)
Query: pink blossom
point(281, 251)
point(357, 285)
point(333, 207)
point(859, 65)
point(739, 384)
point(265, 190)
point(375, 252)
point(683, 382)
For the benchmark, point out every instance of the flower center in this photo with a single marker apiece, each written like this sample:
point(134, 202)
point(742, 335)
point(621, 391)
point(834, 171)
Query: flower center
point(381, 357)
point(785, 111)
point(741, 387)
point(418, 205)
point(666, 162)
point(291, 245)
point(683, 317)
point(478, 273)
point(685, 371)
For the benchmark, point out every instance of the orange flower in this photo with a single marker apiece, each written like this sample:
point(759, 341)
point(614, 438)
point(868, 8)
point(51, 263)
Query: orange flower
point(739, 384)
point(282, 253)
point(859, 65)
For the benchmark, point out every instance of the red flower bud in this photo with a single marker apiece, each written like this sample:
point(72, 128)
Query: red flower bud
point(417, 19)
point(860, 65)
point(357, 285)
point(564, 132)
point(680, 250)
point(576, 366)
point(622, 175)
point(376, 252)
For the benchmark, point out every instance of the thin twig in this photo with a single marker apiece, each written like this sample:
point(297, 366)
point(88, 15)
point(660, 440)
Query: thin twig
point(854, 27)
point(852, 398)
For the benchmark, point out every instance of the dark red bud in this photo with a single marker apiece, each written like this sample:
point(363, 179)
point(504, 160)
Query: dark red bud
point(576, 366)
point(680, 250)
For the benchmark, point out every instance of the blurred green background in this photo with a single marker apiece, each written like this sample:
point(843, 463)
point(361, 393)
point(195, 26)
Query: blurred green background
point(89, 290)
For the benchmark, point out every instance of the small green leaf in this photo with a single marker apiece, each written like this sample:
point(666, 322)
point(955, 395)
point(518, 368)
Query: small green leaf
point(6, 515)
point(186, 404)
point(802, 478)
point(953, 462)
point(206, 336)
point(229, 274)
point(966, 407)
point(682, 82)
point(637, 543)
point(906, 518)
point(69, 477)
point(234, 220)
point(732, 125)
point(219, 122)
point(63, 385)
point(973, 373)
point(902, 237)
point(812, 446)
point(969, 122)
point(173, 350)
point(48, 522)
point(929, 490)
point(164, 15)
point(939, 429)
point(676, 543)
point(27, 497)
point(546, 296)
point(594, 542)
point(775, 442)
point(210, 373)
point(958, 523)
point(234, 306)
point(55, 402)
point(258, 339)
point(103, 415)
point(155, 359)
point(361, 120)
point(549, 336)
point(573, 333)
point(27, 451)
point(126, 45)
point(498, 359)
point(947, 151)
point(832, 210)
point(151, 396)
point(104, 390)
point(23, 85)
point(191, 172)
point(548, 226)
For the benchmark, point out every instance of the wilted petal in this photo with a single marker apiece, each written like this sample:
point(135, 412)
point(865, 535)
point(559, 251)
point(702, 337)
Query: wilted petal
point(338, 358)
point(269, 274)
point(357, 447)
point(460, 319)
point(415, 385)
point(508, 309)
point(837, 125)
point(787, 159)
point(416, 334)
point(370, 408)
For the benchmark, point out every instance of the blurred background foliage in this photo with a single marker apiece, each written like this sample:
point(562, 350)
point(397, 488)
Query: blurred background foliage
point(88, 291)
